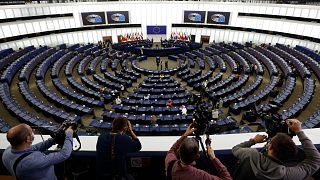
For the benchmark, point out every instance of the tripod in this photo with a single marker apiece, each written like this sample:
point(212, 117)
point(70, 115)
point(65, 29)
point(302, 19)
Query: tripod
point(205, 164)
point(207, 141)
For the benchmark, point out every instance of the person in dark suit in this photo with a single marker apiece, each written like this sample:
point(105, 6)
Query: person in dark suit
point(112, 149)
point(158, 62)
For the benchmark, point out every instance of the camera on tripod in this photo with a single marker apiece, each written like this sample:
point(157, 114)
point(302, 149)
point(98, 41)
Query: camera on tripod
point(201, 116)
point(273, 123)
point(60, 135)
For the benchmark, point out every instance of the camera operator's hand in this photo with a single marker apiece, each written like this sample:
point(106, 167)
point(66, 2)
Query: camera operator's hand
point(69, 129)
point(260, 138)
point(189, 130)
point(294, 125)
point(130, 131)
point(129, 126)
point(211, 152)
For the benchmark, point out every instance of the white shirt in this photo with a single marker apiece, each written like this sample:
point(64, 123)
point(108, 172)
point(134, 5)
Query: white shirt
point(184, 111)
point(215, 114)
point(118, 101)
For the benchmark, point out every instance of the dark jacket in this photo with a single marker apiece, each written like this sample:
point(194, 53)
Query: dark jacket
point(124, 144)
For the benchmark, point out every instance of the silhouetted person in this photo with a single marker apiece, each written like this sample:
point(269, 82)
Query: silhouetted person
point(166, 64)
point(112, 149)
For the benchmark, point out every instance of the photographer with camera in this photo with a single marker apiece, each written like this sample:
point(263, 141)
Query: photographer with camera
point(27, 161)
point(181, 158)
point(112, 149)
point(281, 148)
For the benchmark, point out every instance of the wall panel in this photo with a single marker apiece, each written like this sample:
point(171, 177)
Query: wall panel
point(297, 12)
point(30, 28)
point(54, 39)
point(290, 11)
point(39, 10)
point(41, 41)
point(14, 30)
point(9, 13)
point(6, 31)
point(47, 40)
point(283, 11)
point(240, 37)
point(43, 26)
point(36, 26)
point(305, 13)
point(4, 46)
point(1, 33)
point(50, 25)
point(17, 12)
point(2, 14)
point(164, 13)
point(60, 39)
point(24, 12)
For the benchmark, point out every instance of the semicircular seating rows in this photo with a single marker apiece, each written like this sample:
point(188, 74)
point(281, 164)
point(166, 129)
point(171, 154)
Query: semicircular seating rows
point(65, 82)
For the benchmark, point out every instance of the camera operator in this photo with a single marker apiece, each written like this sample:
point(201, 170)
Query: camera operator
point(27, 161)
point(281, 148)
point(181, 158)
point(112, 149)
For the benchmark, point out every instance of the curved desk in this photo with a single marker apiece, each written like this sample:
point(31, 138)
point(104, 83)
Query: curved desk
point(164, 51)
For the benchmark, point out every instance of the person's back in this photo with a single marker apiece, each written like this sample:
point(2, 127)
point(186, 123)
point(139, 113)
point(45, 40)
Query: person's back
point(116, 166)
point(183, 154)
point(35, 164)
point(262, 168)
point(280, 149)
point(192, 173)
point(28, 167)
point(112, 149)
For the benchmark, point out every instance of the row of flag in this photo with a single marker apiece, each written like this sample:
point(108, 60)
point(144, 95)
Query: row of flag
point(131, 37)
point(180, 36)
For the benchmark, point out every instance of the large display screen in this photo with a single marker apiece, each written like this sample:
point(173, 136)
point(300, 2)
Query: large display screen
point(156, 29)
point(216, 17)
point(116, 17)
point(194, 16)
point(93, 18)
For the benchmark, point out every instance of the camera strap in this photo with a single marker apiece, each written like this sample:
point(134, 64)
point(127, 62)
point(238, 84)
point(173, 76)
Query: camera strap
point(113, 144)
point(169, 169)
point(75, 135)
point(17, 162)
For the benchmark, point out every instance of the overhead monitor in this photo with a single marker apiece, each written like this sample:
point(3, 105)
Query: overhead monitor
point(93, 18)
point(216, 17)
point(194, 16)
point(117, 17)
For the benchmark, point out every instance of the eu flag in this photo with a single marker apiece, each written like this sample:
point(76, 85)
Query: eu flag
point(156, 29)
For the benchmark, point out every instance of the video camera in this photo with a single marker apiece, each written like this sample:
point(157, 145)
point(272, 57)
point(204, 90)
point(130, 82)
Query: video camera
point(60, 135)
point(273, 123)
point(201, 115)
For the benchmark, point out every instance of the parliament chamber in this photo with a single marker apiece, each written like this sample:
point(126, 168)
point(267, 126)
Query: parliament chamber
point(57, 63)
